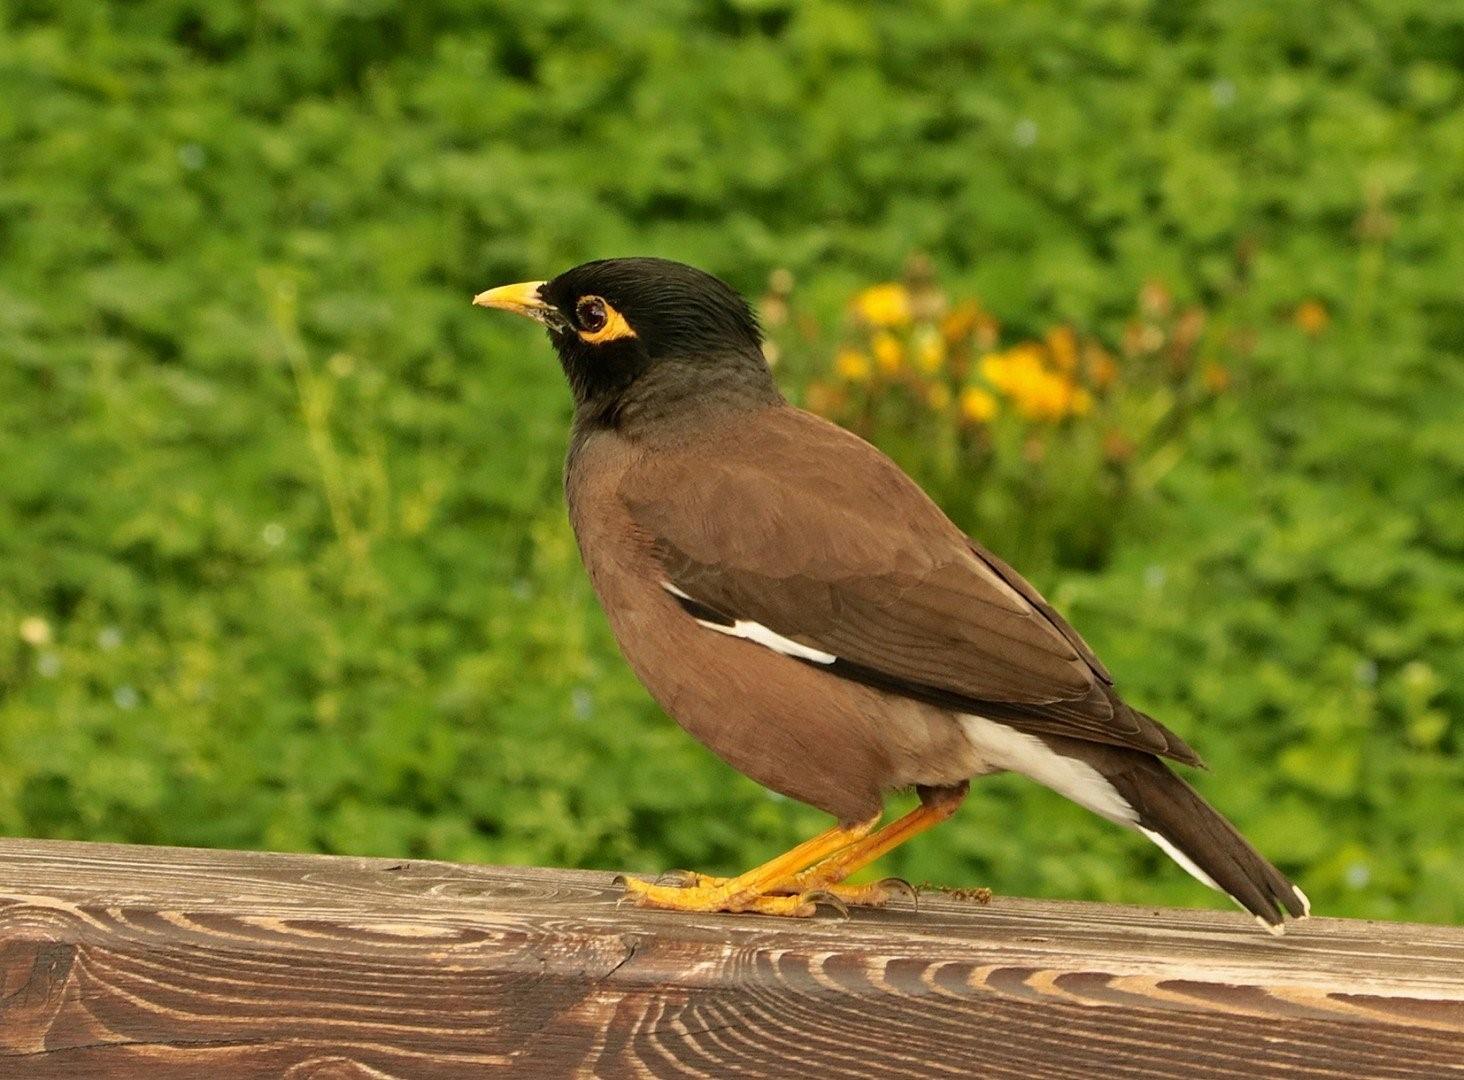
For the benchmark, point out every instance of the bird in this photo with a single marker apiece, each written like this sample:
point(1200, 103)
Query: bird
point(798, 604)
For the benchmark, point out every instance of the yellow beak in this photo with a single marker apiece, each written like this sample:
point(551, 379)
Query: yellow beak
point(521, 299)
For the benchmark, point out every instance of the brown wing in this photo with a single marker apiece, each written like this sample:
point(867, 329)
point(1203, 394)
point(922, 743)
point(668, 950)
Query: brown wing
point(798, 526)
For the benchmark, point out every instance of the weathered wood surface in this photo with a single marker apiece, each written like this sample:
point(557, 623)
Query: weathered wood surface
point(165, 963)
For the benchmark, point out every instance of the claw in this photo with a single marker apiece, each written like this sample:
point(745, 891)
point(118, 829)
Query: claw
point(821, 897)
point(900, 885)
point(680, 878)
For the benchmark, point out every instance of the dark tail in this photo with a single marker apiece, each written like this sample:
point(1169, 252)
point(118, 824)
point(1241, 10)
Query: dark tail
point(1193, 834)
point(1169, 812)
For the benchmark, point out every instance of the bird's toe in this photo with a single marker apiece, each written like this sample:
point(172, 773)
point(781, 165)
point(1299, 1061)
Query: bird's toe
point(876, 894)
point(688, 879)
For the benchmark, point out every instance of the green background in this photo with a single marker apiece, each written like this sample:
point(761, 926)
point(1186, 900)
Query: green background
point(287, 507)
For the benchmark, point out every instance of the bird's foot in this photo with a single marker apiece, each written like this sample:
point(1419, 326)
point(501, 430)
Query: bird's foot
point(702, 893)
point(838, 895)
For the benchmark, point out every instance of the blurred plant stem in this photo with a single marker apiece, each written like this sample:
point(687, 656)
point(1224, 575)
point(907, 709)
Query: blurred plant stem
point(1374, 227)
point(314, 396)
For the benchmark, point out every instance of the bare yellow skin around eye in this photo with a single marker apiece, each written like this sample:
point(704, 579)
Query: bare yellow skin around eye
point(615, 328)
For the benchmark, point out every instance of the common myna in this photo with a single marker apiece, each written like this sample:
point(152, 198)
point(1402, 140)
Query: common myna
point(799, 605)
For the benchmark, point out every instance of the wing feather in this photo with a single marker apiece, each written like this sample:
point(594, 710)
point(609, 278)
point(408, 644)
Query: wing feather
point(814, 535)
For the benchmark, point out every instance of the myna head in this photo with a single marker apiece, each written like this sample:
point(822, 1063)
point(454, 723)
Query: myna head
point(641, 338)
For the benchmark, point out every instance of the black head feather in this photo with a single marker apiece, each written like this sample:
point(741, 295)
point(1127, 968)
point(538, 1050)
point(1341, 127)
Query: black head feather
point(693, 341)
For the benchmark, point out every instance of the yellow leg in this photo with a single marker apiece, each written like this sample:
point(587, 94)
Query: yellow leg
point(764, 889)
point(934, 808)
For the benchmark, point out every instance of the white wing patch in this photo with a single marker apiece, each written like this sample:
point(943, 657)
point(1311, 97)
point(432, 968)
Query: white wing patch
point(758, 634)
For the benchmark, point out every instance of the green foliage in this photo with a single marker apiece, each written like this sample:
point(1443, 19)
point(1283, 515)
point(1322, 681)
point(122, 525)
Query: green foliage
point(282, 556)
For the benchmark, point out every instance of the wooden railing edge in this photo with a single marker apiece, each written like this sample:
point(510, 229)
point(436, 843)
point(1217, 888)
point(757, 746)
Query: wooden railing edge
point(118, 960)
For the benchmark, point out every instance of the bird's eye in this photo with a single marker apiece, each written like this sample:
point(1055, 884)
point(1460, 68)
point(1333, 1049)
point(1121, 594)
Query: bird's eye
point(598, 323)
point(592, 314)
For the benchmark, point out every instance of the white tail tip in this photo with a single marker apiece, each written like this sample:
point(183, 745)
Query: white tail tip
point(1305, 903)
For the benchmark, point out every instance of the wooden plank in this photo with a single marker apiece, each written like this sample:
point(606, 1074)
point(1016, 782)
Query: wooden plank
point(121, 961)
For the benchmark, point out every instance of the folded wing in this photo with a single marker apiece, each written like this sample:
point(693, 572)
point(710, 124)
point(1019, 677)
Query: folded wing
point(841, 558)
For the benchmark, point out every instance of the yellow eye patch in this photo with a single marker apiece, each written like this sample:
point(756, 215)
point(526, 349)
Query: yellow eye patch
point(599, 322)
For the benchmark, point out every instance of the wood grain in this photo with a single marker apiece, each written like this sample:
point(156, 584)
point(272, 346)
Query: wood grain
point(168, 963)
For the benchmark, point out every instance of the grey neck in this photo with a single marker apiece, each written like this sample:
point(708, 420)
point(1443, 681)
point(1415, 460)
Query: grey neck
point(673, 395)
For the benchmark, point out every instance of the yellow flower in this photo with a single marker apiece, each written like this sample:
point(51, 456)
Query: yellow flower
point(1040, 394)
point(930, 351)
point(852, 365)
point(992, 367)
point(1312, 318)
point(977, 405)
point(1062, 343)
point(969, 319)
point(960, 320)
point(1013, 370)
point(887, 304)
point(1037, 392)
point(1031, 399)
point(938, 397)
point(1027, 355)
point(887, 352)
